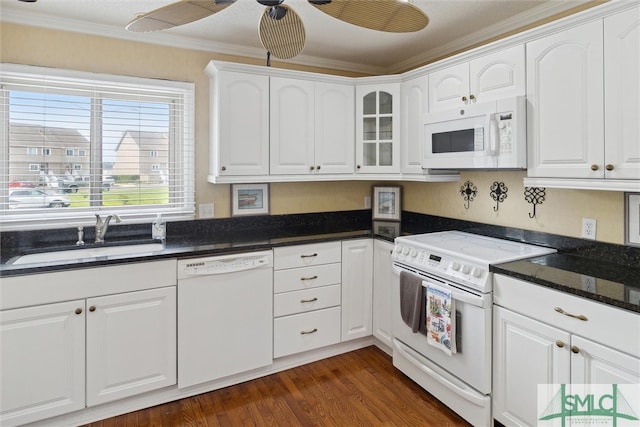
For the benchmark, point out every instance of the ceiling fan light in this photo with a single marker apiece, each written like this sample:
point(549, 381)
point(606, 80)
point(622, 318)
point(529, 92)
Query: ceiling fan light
point(277, 12)
point(270, 3)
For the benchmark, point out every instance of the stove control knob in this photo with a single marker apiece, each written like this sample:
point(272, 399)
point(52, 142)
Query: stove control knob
point(413, 253)
point(455, 266)
point(405, 251)
point(465, 269)
point(476, 272)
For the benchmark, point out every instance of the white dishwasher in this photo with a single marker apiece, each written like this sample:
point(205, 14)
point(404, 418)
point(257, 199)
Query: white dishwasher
point(225, 316)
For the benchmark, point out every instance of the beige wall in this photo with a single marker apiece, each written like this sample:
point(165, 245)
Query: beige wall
point(561, 213)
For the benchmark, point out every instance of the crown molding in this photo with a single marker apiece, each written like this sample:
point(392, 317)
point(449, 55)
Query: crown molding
point(531, 16)
point(159, 38)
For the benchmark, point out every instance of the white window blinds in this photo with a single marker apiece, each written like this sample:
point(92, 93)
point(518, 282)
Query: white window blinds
point(76, 144)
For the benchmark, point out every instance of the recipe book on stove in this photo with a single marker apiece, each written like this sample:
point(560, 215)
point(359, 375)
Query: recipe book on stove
point(441, 325)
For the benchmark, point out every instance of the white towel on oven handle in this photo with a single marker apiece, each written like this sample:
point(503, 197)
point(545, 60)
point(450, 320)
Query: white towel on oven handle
point(440, 318)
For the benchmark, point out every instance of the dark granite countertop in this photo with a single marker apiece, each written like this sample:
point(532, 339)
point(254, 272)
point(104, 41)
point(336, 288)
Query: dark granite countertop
point(601, 281)
point(615, 268)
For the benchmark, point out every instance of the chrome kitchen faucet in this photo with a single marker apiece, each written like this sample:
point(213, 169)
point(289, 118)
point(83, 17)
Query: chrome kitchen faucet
point(102, 226)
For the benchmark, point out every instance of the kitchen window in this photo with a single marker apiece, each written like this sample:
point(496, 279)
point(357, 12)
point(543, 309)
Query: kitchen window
point(115, 121)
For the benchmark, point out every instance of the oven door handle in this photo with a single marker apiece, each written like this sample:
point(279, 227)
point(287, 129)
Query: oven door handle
point(467, 394)
point(483, 301)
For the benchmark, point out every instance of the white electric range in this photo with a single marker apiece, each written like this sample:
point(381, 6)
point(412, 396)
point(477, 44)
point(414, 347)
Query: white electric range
point(457, 262)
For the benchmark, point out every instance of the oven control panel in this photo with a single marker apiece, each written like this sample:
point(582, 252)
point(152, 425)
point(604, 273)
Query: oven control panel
point(462, 271)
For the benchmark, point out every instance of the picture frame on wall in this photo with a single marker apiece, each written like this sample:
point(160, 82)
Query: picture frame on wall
point(632, 219)
point(386, 203)
point(249, 199)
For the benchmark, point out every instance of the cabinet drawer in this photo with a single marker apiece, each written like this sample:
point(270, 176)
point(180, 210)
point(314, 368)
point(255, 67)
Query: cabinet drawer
point(306, 300)
point(305, 255)
point(306, 331)
point(608, 325)
point(296, 279)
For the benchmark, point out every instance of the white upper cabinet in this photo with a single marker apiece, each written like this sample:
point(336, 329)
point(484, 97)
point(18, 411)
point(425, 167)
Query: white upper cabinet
point(414, 104)
point(239, 123)
point(622, 95)
point(312, 127)
point(335, 128)
point(565, 94)
point(486, 78)
point(292, 132)
point(378, 128)
point(584, 105)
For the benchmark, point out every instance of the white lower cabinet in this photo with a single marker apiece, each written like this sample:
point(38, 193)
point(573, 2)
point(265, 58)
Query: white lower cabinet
point(357, 288)
point(131, 344)
point(534, 343)
point(42, 362)
point(382, 291)
point(306, 301)
point(60, 357)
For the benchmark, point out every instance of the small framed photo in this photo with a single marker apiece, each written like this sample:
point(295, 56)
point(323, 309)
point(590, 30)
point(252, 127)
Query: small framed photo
point(386, 203)
point(632, 219)
point(249, 199)
point(390, 229)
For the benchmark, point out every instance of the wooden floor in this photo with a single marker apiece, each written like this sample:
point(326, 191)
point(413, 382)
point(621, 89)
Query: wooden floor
point(360, 388)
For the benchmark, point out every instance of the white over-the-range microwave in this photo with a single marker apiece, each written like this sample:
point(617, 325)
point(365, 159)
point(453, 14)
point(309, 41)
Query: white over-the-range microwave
point(489, 135)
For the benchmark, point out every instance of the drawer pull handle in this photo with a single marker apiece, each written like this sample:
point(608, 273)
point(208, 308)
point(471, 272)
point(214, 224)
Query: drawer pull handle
point(314, 330)
point(575, 316)
point(308, 256)
point(309, 278)
point(309, 300)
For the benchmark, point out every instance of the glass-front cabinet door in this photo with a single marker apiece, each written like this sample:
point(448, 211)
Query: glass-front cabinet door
point(377, 128)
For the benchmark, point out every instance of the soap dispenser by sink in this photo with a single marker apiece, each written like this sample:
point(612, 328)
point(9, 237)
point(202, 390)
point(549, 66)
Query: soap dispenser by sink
point(158, 228)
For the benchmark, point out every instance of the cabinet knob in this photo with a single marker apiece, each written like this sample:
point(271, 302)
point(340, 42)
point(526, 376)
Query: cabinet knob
point(92, 308)
point(559, 343)
point(594, 167)
point(311, 168)
point(314, 330)
point(575, 349)
point(318, 167)
point(472, 97)
point(609, 167)
point(357, 166)
point(464, 99)
point(78, 311)
point(224, 168)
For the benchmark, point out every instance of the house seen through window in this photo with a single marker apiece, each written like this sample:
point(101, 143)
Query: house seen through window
point(91, 141)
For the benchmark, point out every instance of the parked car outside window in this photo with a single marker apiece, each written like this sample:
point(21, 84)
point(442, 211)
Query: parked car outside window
point(35, 198)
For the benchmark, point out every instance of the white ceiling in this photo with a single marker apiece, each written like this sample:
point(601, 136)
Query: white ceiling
point(453, 25)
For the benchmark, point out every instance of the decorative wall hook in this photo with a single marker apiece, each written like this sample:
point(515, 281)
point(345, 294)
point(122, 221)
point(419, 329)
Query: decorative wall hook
point(535, 196)
point(498, 193)
point(468, 191)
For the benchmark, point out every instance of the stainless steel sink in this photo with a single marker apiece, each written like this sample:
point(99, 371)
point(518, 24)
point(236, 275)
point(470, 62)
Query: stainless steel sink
point(87, 253)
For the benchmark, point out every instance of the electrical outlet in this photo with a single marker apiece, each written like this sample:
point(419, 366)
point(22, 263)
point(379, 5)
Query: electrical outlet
point(589, 283)
point(206, 210)
point(367, 202)
point(589, 228)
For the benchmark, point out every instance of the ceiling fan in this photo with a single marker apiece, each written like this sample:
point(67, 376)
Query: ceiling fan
point(281, 30)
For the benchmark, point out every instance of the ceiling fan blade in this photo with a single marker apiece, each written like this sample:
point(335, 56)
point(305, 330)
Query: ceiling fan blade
point(284, 37)
point(175, 14)
point(392, 16)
